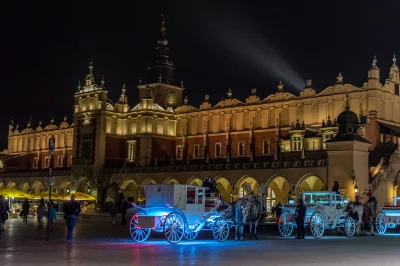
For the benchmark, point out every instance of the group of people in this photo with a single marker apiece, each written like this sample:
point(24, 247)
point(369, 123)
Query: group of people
point(121, 206)
point(71, 211)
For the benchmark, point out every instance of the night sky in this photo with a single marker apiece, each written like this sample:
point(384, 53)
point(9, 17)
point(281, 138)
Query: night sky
point(216, 45)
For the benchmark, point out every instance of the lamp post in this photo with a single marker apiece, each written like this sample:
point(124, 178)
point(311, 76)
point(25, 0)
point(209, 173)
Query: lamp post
point(88, 190)
point(68, 190)
point(356, 188)
point(50, 182)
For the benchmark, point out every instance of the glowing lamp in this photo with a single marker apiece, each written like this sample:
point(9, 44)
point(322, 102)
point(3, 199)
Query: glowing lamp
point(355, 188)
point(88, 190)
point(68, 190)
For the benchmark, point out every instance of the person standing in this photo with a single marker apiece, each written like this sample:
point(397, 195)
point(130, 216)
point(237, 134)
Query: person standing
point(336, 187)
point(278, 210)
point(273, 210)
point(71, 210)
point(2, 209)
point(124, 207)
point(40, 213)
point(25, 210)
point(300, 216)
point(52, 214)
point(5, 215)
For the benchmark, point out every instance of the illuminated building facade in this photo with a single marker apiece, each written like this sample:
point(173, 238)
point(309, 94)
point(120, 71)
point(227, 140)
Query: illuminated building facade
point(281, 140)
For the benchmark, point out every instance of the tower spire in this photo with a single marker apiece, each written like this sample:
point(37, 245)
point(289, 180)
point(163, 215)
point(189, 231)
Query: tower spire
point(394, 59)
point(162, 64)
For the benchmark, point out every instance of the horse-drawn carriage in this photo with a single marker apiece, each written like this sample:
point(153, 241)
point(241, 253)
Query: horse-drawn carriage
point(179, 211)
point(325, 210)
point(388, 217)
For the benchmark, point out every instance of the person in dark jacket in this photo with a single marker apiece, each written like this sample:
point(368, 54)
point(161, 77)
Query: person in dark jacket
point(278, 210)
point(25, 210)
point(300, 216)
point(335, 187)
point(124, 207)
point(71, 210)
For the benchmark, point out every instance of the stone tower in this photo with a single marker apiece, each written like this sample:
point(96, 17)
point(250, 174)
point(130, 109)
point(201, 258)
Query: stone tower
point(348, 155)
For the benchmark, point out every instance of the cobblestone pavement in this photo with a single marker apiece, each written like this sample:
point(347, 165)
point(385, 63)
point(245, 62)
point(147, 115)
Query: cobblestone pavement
point(98, 242)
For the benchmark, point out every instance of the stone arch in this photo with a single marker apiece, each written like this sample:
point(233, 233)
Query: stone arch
point(11, 184)
point(148, 181)
point(224, 187)
point(246, 179)
point(130, 189)
point(37, 187)
point(276, 190)
point(83, 185)
point(64, 186)
point(24, 186)
point(310, 182)
point(194, 181)
point(171, 180)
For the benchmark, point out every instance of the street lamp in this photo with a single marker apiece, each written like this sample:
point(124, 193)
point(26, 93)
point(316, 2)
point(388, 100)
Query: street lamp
point(88, 190)
point(68, 190)
point(356, 188)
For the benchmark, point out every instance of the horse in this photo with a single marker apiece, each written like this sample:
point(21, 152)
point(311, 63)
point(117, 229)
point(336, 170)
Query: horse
point(247, 210)
point(363, 213)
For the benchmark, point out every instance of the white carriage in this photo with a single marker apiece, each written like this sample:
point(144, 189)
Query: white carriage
point(179, 211)
point(325, 210)
point(388, 217)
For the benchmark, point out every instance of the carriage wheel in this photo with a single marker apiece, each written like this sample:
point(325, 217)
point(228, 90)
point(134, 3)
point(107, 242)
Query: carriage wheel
point(190, 234)
point(380, 224)
point(317, 224)
point(220, 230)
point(350, 226)
point(174, 228)
point(138, 234)
point(285, 226)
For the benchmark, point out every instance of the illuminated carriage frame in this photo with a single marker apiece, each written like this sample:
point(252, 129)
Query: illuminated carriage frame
point(179, 211)
point(325, 210)
point(388, 217)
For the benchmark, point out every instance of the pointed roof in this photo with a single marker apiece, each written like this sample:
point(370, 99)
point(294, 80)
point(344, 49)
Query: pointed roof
point(162, 68)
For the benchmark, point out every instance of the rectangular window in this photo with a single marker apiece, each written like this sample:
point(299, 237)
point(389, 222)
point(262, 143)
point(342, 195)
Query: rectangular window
point(191, 195)
point(217, 149)
point(396, 89)
point(34, 163)
point(241, 148)
point(179, 152)
point(87, 146)
point(196, 151)
point(265, 147)
point(329, 136)
point(47, 162)
point(59, 161)
point(297, 145)
point(131, 151)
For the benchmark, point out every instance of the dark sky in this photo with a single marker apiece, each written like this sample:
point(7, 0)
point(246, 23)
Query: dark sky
point(216, 45)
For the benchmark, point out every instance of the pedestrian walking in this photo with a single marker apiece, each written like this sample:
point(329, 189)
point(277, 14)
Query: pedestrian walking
point(124, 207)
point(2, 210)
point(300, 215)
point(273, 210)
point(40, 213)
point(113, 213)
point(71, 210)
point(5, 215)
point(25, 210)
point(52, 214)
